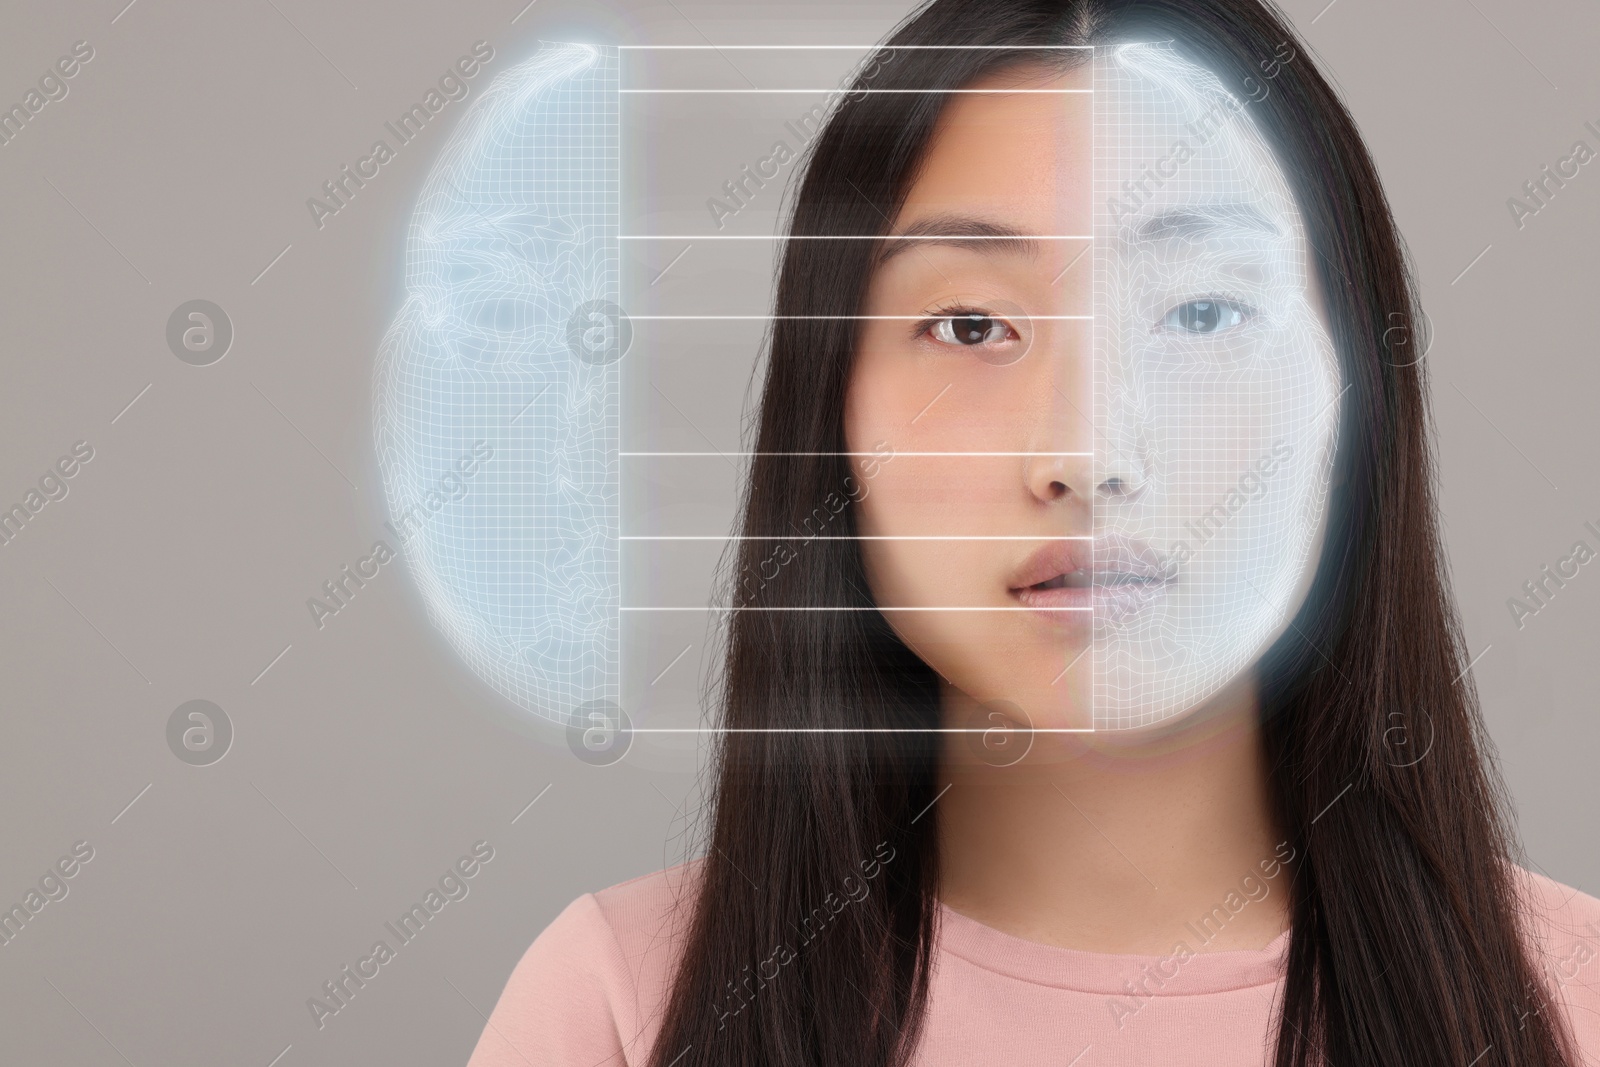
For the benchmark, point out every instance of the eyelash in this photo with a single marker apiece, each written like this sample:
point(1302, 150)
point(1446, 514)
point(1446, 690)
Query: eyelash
point(1247, 309)
point(924, 328)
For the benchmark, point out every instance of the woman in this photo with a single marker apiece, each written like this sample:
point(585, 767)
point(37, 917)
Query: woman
point(1281, 840)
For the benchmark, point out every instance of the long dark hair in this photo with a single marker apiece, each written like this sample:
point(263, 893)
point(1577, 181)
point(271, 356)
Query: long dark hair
point(815, 913)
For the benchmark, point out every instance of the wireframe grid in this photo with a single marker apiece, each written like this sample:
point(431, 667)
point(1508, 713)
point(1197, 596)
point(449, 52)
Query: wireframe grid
point(1216, 423)
point(522, 573)
point(512, 245)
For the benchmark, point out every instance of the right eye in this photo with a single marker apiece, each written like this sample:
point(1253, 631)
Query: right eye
point(1207, 316)
point(972, 329)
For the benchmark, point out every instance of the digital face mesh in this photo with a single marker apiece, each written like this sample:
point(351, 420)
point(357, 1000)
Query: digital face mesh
point(1212, 387)
point(496, 400)
point(1215, 390)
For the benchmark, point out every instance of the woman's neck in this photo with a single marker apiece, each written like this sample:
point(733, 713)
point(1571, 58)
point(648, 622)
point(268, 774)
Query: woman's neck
point(1121, 842)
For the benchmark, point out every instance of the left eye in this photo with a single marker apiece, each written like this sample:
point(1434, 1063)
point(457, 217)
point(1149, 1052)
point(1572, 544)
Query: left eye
point(971, 330)
point(1206, 316)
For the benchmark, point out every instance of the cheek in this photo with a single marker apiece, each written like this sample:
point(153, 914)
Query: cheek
point(882, 384)
point(914, 498)
point(1205, 437)
point(929, 511)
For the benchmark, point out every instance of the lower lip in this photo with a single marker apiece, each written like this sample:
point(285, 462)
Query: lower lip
point(1073, 605)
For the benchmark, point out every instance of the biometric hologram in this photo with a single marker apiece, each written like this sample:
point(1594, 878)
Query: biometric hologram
point(1216, 390)
point(496, 403)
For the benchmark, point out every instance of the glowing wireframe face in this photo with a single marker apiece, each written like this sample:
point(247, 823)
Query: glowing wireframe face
point(496, 402)
point(1113, 435)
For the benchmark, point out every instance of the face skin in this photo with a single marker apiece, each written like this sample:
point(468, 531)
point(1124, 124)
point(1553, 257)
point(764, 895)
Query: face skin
point(1162, 469)
point(1048, 432)
point(1216, 388)
point(1004, 161)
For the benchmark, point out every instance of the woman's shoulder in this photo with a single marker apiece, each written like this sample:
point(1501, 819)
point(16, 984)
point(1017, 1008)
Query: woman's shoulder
point(591, 986)
point(1558, 916)
point(651, 909)
point(1563, 926)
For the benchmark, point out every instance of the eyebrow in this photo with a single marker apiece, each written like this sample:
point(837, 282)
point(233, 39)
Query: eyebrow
point(963, 231)
point(1204, 221)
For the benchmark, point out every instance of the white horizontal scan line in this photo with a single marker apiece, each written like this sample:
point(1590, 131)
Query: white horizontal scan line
point(897, 455)
point(809, 607)
point(852, 92)
point(854, 729)
point(855, 537)
point(829, 318)
point(851, 237)
point(848, 47)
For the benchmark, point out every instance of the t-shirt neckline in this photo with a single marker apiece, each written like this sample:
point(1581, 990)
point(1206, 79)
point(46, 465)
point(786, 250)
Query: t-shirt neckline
point(1174, 973)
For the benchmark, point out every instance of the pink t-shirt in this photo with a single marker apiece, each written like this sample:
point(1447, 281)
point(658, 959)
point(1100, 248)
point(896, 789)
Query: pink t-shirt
point(591, 988)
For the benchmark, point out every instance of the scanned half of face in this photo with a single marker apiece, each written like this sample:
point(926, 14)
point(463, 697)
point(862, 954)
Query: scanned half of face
point(1215, 390)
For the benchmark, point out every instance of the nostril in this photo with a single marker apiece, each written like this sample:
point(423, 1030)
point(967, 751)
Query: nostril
point(1122, 488)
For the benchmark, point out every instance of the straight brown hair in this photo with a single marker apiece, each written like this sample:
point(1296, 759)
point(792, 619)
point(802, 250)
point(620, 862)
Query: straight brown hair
point(1406, 946)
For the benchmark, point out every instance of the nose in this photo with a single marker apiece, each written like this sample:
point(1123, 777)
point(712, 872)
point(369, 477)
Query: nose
point(1122, 474)
point(1087, 440)
point(1053, 476)
point(1083, 460)
point(1120, 441)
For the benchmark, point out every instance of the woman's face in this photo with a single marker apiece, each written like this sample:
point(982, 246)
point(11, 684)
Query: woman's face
point(1093, 348)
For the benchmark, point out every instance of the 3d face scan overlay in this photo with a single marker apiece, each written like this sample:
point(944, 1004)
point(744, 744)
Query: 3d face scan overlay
point(1216, 389)
point(496, 403)
point(1214, 394)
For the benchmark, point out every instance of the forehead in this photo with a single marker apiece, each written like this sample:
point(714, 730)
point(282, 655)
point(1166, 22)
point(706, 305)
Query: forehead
point(1014, 145)
point(1137, 132)
point(1169, 139)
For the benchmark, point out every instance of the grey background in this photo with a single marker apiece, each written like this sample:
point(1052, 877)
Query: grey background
point(367, 759)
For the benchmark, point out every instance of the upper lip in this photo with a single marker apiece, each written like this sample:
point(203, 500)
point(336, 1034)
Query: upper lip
point(1109, 557)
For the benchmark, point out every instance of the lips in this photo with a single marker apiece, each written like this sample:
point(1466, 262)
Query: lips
point(1109, 577)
